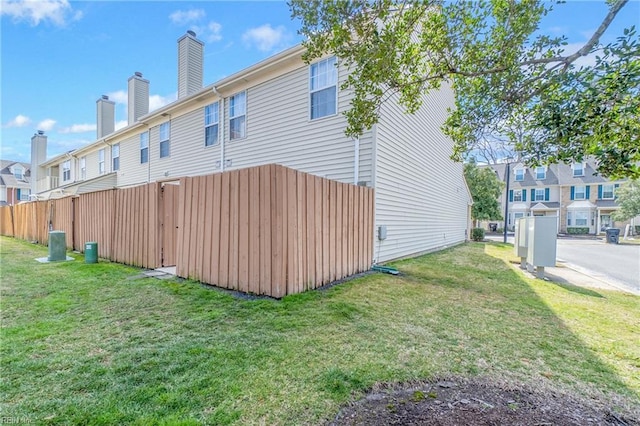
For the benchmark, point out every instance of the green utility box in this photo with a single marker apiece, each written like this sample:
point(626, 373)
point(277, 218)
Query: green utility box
point(57, 246)
point(91, 252)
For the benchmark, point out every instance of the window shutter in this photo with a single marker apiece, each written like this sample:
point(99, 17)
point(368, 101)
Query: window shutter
point(524, 195)
point(18, 197)
point(511, 195)
point(616, 186)
point(599, 192)
point(586, 193)
point(533, 194)
point(573, 192)
point(546, 194)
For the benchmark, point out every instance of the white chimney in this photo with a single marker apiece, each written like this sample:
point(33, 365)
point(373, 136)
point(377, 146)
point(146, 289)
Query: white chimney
point(190, 64)
point(105, 117)
point(138, 104)
point(38, 156)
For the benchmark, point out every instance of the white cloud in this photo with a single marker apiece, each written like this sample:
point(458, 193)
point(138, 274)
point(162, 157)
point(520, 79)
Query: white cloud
point(213, 32)
point(184, 17)
point(46, 124)
point(158, 101)
point(58, 12)
point(19, 121)
point(119, 97)
point(266, 38)
point(79, 128)
point(121, 124)
point(583, 61)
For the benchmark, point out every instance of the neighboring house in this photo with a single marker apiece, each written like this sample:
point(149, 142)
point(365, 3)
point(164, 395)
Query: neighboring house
point(282, 111)
point(15, 185)
point(572, 192)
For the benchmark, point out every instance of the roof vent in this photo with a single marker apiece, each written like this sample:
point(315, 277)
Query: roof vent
point(105, 97)
point(41, 132)
point(191, 33)
point(138, 74)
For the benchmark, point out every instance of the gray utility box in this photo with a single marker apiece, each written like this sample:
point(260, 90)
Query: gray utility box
point(521, 240)
point(57, 246)
point(542, 241)
point(613, 235)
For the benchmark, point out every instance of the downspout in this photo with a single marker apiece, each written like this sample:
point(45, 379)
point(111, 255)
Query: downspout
point(356, 159)
point(220, 125)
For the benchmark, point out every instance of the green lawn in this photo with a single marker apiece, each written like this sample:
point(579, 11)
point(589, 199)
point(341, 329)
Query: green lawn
point(93, 344)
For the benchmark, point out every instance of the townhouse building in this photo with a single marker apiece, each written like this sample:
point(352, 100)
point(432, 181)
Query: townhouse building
point(285, 111)
point(582, 200)
point(15, 184)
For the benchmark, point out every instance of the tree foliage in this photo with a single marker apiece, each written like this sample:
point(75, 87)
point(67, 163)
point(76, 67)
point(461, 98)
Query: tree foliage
point(492, 53)
point(628, 198)
point(485, 188)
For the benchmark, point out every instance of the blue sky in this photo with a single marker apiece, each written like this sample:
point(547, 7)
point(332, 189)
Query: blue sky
point(58, 57)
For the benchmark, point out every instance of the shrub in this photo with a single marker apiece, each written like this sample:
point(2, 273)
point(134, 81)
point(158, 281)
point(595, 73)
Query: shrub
point(477, 234)
point(577, 230)
point(637, 229)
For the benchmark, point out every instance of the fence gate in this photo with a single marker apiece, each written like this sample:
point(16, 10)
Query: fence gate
point(169, 196)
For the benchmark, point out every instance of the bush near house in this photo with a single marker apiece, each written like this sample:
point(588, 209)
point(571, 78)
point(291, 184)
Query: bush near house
point(477, 234)
point(578, 230)
point(637, 229)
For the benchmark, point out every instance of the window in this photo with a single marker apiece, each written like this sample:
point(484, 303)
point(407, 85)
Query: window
point(211, 120)
point(581, 218)
point(323, 88)
point(83, 168)
point(18, 173)
point(578, 169)
point(24, 194)
point(517, 195)
point(580, 193)
point(539, 195)
point(541, 172)
point(115, 157)
point(101, 161)
point(66, 170)
point(144, 147)
point(519, 174)
point(607, 192)
point(237, 113)
point(165, 134)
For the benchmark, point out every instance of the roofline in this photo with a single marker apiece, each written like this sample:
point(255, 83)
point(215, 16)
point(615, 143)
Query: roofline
point(240, 76)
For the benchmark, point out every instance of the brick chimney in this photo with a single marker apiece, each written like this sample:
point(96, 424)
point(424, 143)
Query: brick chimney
point(190, 64)
point(105, 117)
point(138, 102)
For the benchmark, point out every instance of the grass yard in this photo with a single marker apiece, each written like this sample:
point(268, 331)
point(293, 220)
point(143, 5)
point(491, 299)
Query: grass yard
point(93, 344)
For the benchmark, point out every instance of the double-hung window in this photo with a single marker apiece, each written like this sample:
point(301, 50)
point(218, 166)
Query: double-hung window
point(101, 161)
point(66, 171)
point(115, 157)
point(165, 135)
point(211, 123)
point(83, 168)
point(323, 88)
point(578, 169)
point(17, 172)
point(541, 173)
point(517, 195)
point(144, 147)
point(607, 192)
point(237, 116)
point(519, 174)
point(539, 195)
point(580, 193)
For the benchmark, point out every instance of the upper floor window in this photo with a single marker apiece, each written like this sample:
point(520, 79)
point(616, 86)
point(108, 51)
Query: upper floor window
point(578, 169)
point(83, 168)
point(323, 88)
point(165, 134)
point(541, 172)
point(539, 194)
point(101, 161)
point(237, 115)
point(18, 173)
point(115, 157)
point(579, 193)
point(607, 192)
point(517, 195)
point(66, 170)
point(144, 147)
point(519, 174)
point(211, 121)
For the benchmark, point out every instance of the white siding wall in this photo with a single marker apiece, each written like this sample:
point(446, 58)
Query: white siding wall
point(420, 192)
point(3, 193)
point(131, 171)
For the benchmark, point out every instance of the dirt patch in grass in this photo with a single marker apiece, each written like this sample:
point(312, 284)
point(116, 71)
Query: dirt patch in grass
point(480, 401)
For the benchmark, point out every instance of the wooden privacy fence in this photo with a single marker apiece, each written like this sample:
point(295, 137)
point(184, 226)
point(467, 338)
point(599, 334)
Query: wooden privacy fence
point(266, 230)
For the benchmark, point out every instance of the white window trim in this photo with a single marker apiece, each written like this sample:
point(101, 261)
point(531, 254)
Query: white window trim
point(544, 173)
point(83, 168)
point(311, 91)
point(573, 168)
point(613, 192)
point(18, 175)
point(584, 193)
point(101, 161)
point(233, 117)
point(115, 156)
point(518, 198)
point(66, 171)
point(515, 172)
point(144, 136)
point(536, 192)
point(212, 123)
point(167, 139)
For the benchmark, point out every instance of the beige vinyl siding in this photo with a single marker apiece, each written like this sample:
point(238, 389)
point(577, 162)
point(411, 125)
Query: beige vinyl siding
point(131, 171)
point(420, 192)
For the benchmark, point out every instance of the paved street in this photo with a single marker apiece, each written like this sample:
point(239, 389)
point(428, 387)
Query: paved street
point(619, 263)
point(616, 264)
